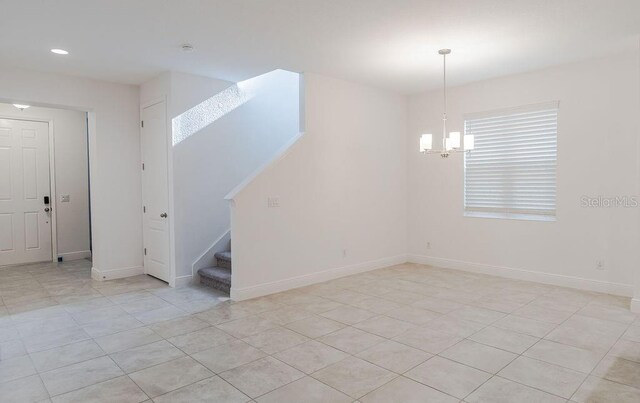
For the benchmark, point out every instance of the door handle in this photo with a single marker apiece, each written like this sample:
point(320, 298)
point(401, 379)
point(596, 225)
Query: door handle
point(46, 209)
point(163, 215)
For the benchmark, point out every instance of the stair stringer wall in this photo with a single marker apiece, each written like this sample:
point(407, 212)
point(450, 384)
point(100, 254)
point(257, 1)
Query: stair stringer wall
point(341, 192)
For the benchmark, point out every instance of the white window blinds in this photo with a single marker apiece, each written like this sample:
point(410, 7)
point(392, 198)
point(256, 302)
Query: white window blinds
point(512, 171)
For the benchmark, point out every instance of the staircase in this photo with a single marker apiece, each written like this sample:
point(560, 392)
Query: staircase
point(218, 276)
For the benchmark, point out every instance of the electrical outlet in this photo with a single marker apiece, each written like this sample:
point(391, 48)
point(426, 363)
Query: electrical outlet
point(599, 264)
point(273, 202)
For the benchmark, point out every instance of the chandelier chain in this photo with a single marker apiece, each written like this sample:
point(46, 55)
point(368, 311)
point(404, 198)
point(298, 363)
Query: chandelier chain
point(444, 99)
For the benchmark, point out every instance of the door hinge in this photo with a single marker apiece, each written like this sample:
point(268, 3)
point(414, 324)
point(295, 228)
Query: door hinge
point(142, 123)
point(144, 209)
point(145, 251)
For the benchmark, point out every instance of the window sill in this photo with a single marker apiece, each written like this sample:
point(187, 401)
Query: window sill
point(510, 216)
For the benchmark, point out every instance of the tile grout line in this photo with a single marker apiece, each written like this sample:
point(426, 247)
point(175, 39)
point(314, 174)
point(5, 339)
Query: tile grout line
point(522, 355)
point(603, 357)
point(403, 304)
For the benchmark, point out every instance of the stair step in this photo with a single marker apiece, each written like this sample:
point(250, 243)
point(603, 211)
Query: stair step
point(216, 277)
point(226, 256)
point(223, 259)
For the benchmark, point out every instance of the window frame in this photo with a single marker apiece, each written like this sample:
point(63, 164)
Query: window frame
point(511, 214)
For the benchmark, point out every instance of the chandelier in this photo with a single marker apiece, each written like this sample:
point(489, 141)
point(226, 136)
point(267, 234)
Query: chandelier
point(451, 143)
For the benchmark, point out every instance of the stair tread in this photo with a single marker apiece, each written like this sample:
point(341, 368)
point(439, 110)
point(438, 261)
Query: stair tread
point(223, 256)
point(216, 273)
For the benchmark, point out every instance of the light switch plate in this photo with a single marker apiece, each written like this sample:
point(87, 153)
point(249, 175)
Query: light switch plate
point(273, 202)
point(65, 198)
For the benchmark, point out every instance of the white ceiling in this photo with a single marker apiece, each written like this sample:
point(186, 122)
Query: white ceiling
point(386, 43)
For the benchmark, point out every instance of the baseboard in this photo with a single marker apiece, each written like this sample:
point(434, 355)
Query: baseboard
point(102, 275)
point(635, 305)
point(183, 281)
point(83, 254)
point(239, 294)
point(624, 290)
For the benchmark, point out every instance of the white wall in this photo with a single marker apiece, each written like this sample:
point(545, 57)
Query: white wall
point(114, 143)
point(341, 187)
point(597, 155)
point(71, 175)
point(156, 88)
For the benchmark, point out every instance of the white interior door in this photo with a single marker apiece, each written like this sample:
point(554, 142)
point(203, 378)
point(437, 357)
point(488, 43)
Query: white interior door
point(155, 191)
point(25, 220)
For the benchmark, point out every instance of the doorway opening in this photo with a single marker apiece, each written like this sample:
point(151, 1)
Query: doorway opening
point(45, 211)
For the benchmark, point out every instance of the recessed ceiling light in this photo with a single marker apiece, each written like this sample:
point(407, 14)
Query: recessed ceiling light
point(59, 51)
point(21, 106)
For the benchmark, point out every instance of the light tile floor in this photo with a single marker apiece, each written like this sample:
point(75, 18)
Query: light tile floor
point(407, 333)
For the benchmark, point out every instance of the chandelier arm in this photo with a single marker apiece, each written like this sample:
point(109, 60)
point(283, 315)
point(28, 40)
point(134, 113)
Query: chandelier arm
point(446, 152)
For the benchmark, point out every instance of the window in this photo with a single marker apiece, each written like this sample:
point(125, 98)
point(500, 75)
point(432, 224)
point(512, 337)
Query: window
point(512, 171)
